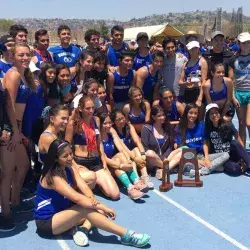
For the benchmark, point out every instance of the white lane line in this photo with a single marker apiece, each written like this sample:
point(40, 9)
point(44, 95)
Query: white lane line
point(62, 243)
point(203, 222)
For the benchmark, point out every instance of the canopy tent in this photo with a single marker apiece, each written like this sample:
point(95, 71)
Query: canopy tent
point(155, 32)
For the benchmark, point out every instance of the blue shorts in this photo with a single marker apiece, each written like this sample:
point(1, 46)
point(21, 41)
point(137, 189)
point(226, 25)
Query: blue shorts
point(243, 97)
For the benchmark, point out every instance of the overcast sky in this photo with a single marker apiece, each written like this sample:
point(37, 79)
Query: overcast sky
point(109, 9)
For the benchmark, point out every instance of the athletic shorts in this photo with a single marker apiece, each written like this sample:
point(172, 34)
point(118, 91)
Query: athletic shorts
point(231, 111)
point(44, 226)
point(243, 97)
point(92, 163)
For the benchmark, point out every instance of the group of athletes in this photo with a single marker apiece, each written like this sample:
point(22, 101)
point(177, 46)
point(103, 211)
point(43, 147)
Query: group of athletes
point(74, 120)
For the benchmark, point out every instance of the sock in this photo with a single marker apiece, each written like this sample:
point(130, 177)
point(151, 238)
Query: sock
point(133, 176)
point(127, 234)
point(125, 180)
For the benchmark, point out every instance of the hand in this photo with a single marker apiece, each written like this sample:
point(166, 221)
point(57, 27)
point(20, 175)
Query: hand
point(236, 103)
point(126, 166)
point(112, 69)
point(110, 212)
point(140, 162)
point(5, 136)
point(94, 201)
point(24, 140)
point(15, 139)
point(198, 103)
point(207, 163)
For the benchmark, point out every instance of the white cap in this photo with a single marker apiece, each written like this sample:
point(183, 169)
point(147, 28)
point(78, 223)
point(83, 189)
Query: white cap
point(193, 44)
point(211, 105)
point(33, 67)
point(244, 37)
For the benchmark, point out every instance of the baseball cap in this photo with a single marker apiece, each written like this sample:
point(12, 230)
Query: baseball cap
point(2, 47)
point(141, 35)
point(244, 37)
point(33, 67)
point(217, 33)
point(6, 38)
point(211, 105)
point(193, 44)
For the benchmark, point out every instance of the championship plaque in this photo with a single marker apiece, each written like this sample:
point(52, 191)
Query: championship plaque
point(189, 158)
point(166, 185)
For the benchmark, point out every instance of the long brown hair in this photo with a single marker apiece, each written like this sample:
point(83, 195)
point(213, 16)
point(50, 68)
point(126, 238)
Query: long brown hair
point(77, 122)
point(28, 75)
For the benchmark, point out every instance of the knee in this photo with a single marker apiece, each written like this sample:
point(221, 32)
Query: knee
point(90, 178)
point(115, 196)
point(150, 154)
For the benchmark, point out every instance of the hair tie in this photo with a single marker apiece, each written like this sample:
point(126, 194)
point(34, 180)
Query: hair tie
point(45, 113)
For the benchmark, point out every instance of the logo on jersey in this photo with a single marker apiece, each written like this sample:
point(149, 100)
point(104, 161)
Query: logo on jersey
point(67, 59)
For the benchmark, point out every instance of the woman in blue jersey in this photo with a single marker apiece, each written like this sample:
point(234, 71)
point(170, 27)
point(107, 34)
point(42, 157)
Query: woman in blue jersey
point(158, 140)
point(138, 109)
point(121, 80)
point(119, 161)
point(143, 56)
point(219, 89)
point(131, 141)
point(88, 149)
point(102, 95)
point(194, 74)
point(172, 109)
point(61, 186)
point(19, 84)
point(148, 76)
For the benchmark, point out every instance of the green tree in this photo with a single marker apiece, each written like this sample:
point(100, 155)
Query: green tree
point(5, 24)
point(104, 30)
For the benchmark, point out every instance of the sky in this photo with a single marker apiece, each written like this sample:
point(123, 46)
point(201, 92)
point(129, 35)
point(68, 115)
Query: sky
point(110, 9)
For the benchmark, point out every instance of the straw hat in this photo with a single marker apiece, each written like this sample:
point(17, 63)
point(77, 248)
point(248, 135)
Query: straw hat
point(190, 33)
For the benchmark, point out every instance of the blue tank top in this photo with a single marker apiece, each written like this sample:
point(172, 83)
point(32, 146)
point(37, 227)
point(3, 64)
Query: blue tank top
point(136, 119)
point(148, 86)
point(23, 93)
point(113, 54)
point(81, 139)
point(4, 67)
point(160, 141)
point(109, 146)
point(219, 95)
point(122, 85)
point(194, 70)
point(49, 202)
point(141, 61)
point(126, 138)
point(173, 114)
point(40, 59)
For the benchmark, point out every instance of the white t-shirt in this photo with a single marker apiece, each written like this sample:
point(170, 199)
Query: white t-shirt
point(75, 102)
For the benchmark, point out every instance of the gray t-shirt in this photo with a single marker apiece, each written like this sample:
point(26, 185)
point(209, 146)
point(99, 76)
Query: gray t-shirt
point(241, 66)
point(171, 71)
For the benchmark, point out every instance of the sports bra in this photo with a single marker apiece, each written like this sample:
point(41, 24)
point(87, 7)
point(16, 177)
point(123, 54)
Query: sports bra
point(218, 95)
point(126, 138)
point(23, 93)
point(109, 146)
point(194, 70)
point(136, 119)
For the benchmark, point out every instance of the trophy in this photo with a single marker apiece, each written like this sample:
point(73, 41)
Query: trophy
point(166, 185)
point(188, 160)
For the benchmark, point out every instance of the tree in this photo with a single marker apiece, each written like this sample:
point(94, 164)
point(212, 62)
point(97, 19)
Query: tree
point(5, 25)
point(104, 30)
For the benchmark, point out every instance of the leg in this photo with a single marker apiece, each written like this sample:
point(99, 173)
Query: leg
point(232, 168)
point(242, 123)
point(217, 160)
point(174, 158)
point(7, 161)
point(153, 160)
point(248, 119)
point(107, 184)
point(88, 176)
point(138, 154)
point(22, 166)
point(65, 220)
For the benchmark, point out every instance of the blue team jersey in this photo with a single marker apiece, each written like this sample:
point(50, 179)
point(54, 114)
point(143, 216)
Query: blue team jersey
point(4, 67)
point(194, 137)
point(113, 54)
point(67, 56)
point(141, 61)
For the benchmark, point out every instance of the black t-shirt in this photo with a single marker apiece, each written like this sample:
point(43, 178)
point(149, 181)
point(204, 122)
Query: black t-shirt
point(99, 76)
point(215, 58)
point(220, 142)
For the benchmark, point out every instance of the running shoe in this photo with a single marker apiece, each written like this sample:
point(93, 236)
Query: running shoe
point(158, 174)
point(80, 236)
point(24, 207)
point(147, 181)
point(134, 194)
point(132, 238)
point(139, 185)
point(6, 224)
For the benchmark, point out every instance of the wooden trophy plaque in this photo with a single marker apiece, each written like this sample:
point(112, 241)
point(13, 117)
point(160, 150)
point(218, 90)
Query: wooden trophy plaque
point(189, 157)
point(166, 185)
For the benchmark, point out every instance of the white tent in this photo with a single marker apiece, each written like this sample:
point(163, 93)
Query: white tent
point(155, 32)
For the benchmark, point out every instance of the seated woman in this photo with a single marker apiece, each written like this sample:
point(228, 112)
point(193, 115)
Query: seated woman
point(59, 187)
point(191, 134)
point(119, 162)
point(158, 140)
point(172, 109)
point(219, 89)
point(131, 141)
point(55, 121)
point(102, 95)
point(88, 149)
point(219, 138)
point(137, 111)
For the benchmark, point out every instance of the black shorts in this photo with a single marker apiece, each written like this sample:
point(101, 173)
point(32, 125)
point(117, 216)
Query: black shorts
point(191, 95)
point(44, 226)
point(92, 163)
point(231, 111)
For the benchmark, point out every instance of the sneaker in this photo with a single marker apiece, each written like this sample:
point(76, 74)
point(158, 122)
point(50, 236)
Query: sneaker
point(6, 224)
point(158, 174)
point(132, 238)
point(24, 207)
point(187, 168)
point(139, 185)
point(147, 181)
point(134, 194)
point(80, 236)
point(27, 194)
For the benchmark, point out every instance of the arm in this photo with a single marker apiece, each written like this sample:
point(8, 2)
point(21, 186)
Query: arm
point(136, 138)
point(204, 70)
point(69, 133)
point(126, 110)
point(206, 89)
point(229, 84)
point(148, 112)
point(182, 76)
point(180, 108)
point(134, 78)
point(141, 76)
point(110, 89)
